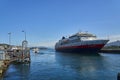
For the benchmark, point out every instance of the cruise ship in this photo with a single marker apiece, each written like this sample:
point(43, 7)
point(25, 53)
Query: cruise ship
point(81, 42)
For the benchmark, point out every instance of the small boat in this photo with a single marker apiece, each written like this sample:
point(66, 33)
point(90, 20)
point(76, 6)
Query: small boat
point(36, 50)
point(81, 42)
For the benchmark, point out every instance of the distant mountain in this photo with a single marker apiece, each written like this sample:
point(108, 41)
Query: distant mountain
point(115, 43)
point(40, 47)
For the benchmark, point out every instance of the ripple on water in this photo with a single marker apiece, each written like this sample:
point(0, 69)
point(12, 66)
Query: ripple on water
point(51, 65)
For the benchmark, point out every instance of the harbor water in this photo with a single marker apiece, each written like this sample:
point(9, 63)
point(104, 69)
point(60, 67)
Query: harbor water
point(51, 65)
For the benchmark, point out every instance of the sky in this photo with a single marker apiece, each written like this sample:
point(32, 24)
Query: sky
point(46, 21)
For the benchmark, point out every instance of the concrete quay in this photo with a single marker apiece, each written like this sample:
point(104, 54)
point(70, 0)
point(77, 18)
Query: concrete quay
point(3, 66)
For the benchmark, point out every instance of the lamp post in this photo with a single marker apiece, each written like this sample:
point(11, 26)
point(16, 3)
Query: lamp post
point(24, 34)
point(9, 38)
point(24, 47)
point(24, 43)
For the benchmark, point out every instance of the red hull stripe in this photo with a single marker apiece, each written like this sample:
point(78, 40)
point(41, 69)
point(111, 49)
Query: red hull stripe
point(83, 46)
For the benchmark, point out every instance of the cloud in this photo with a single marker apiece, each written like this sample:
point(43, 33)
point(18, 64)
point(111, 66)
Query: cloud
point(112, 37)
point(44, 43)
point(52, 43)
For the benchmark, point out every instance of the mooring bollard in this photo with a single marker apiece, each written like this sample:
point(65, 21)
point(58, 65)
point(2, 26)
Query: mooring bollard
point(118, 76)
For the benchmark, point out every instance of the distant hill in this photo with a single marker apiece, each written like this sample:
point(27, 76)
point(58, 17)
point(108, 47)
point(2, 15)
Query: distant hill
point(115, 43)
point(112, 47)
point(39, 47)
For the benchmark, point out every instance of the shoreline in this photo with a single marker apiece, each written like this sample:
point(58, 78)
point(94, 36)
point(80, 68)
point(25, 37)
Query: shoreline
point(110, 51)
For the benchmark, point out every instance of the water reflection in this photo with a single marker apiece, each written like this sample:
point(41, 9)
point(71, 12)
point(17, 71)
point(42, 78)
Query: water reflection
point(23, 69)
point(53, 65)
point(21, 72)
point(91, 66)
